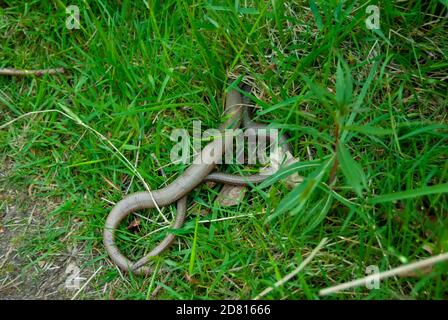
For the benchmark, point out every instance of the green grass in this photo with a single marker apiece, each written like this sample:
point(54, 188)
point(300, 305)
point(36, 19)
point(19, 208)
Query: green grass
point(367, 109)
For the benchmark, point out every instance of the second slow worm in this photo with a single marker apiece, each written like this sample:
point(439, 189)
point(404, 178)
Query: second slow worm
point(235, 113)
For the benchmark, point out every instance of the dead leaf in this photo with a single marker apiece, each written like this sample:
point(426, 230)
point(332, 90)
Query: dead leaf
point(190, 279)
point(30, 190)
point(134, 225)
point(210, 184)
point(231, 195)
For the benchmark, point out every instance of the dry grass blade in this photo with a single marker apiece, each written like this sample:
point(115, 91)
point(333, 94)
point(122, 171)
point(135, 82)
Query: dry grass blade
point(295, 272)
point(16, 72)
point(399, 271)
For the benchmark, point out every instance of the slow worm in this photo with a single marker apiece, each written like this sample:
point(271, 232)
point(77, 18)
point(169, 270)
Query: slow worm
point(200, 171)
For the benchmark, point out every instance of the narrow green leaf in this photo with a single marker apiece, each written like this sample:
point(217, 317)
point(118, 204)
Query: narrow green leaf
point(290, 200)
point(340, 85)
point(322, 94)
point(164, 83)
point(296, 199)
point(351, 169)
point(170, 290)
point(318, 213)
point(360, 99)
point(235, 83)
point(129, 147)
point(413, 193)
point(287, 171)
point(369, 130)
point(348, 92)
point(153, 278)
point(287, 102)
point(382, 36)
point(213, 22)
point(248, 11)
point(84, 163)
point(427, 129)
point(317, 16)
point(193, 249)
point(344, 85)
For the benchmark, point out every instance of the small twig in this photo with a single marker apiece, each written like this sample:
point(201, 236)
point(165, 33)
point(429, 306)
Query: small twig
point(402, 270)
point(295, 272)
point(16, 72)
